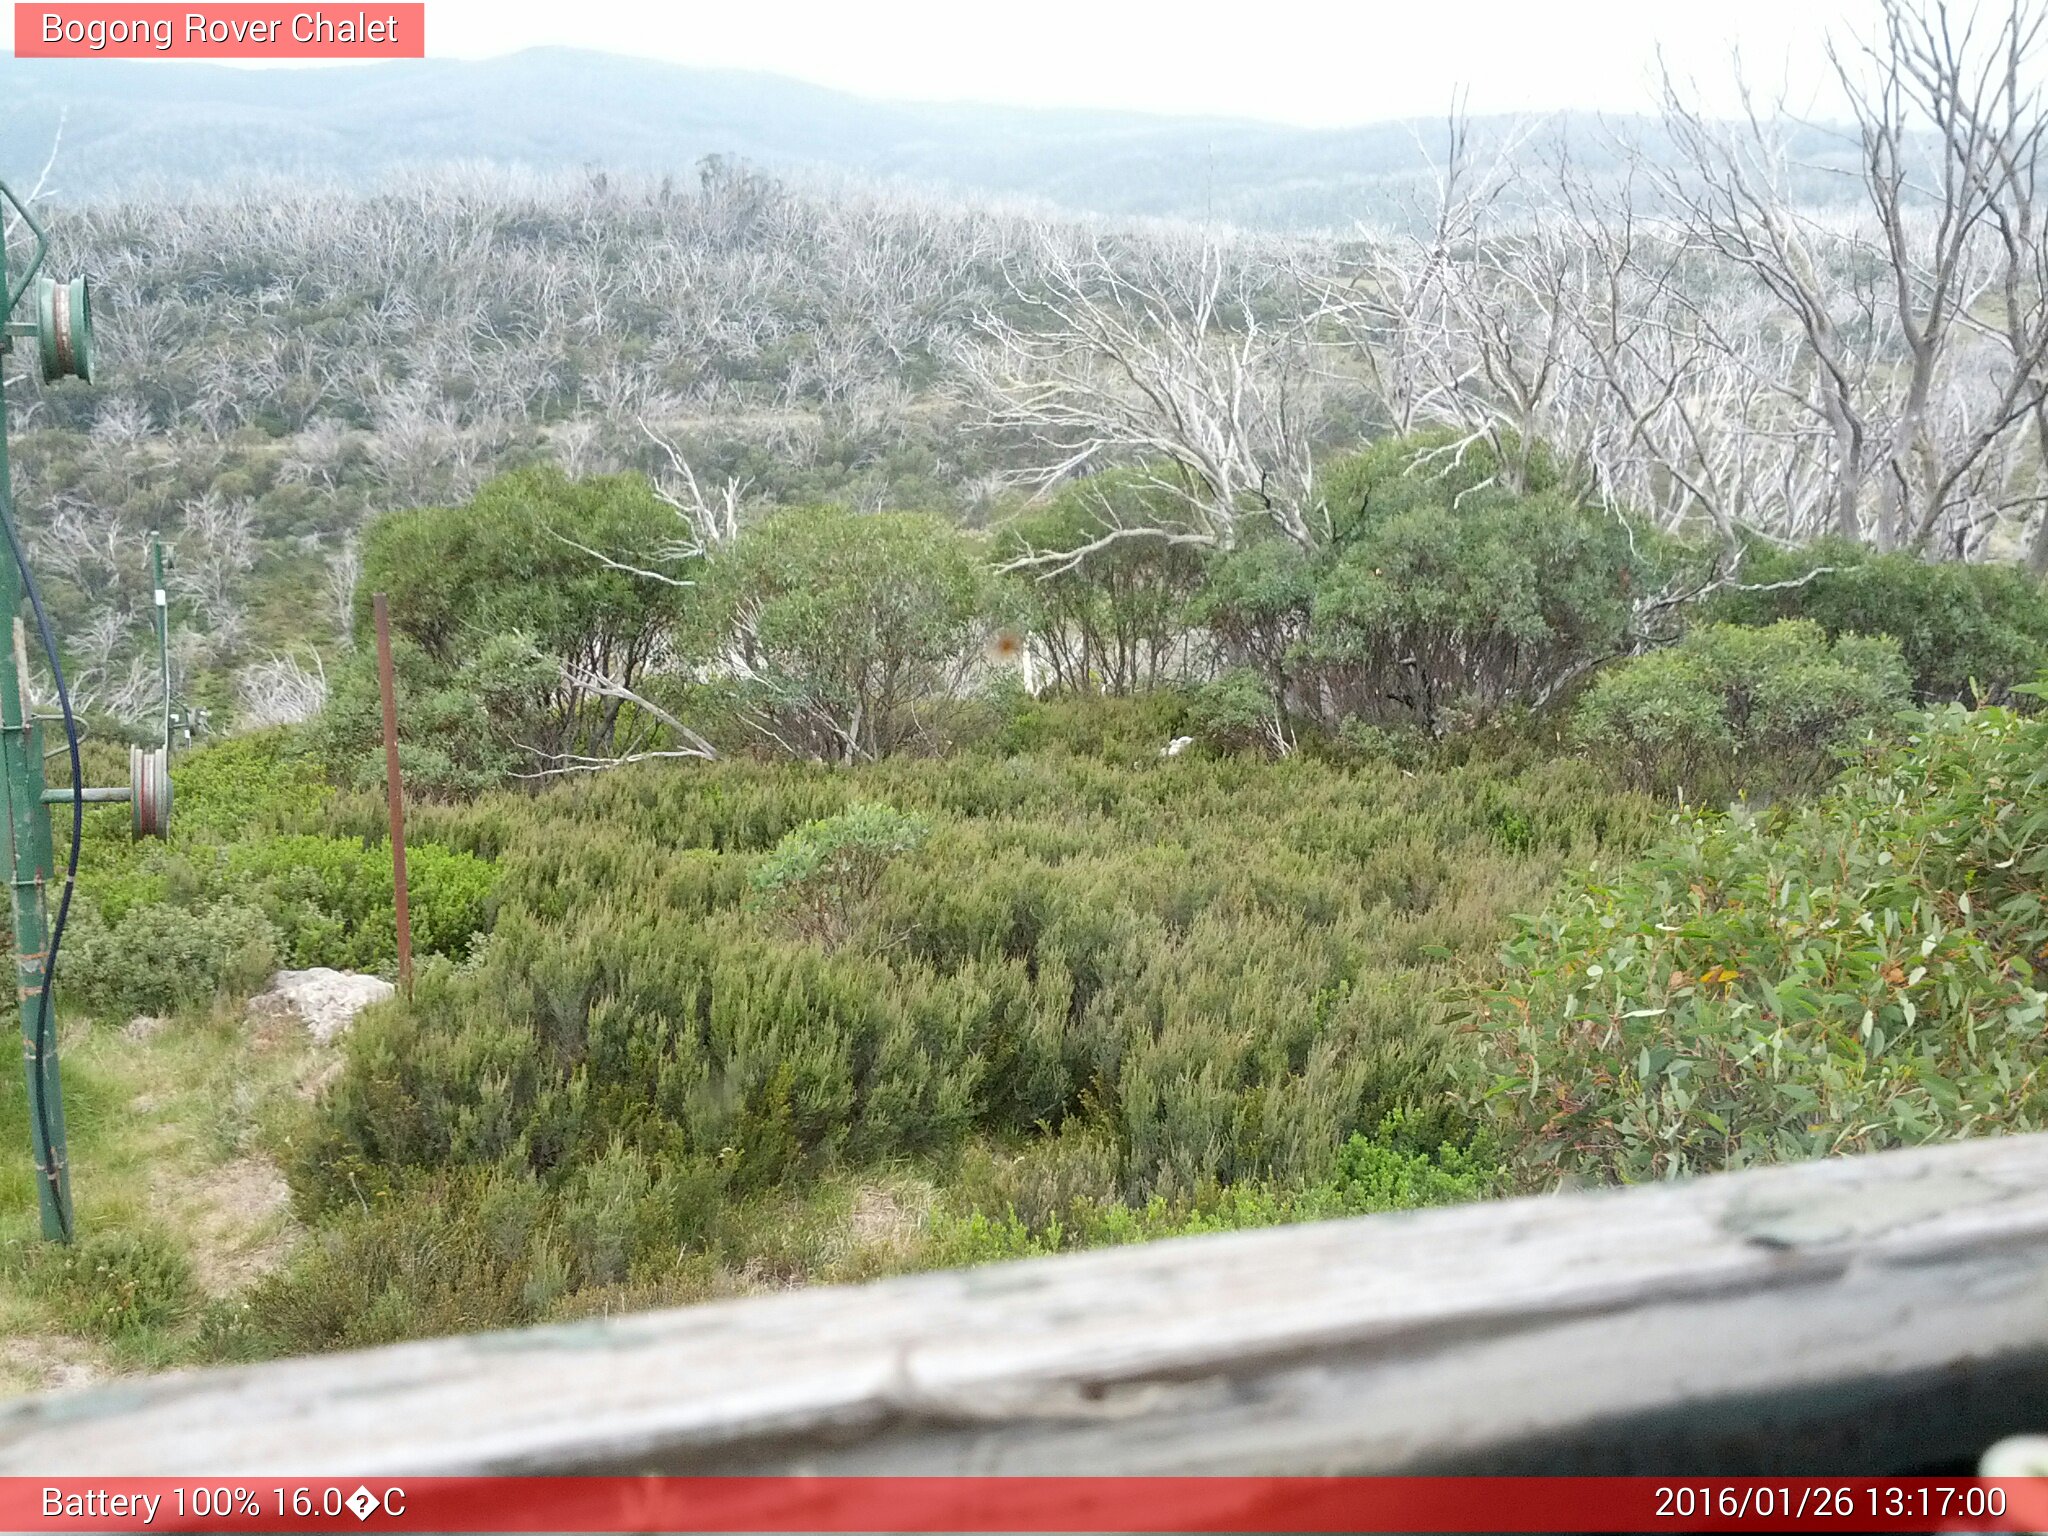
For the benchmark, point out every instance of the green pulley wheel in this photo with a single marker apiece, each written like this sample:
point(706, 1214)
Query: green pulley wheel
point(64, 329)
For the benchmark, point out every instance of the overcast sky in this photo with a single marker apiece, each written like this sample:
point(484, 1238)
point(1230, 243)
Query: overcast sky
point(1327, 63)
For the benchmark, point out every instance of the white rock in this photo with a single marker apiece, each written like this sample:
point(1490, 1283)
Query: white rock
point(327, 1002)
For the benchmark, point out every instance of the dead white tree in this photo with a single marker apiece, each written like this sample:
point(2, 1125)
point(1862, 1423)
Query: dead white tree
point(1888, 304)
point(1182, 363)
point(40, 187)
point(279, 690)
point(712, 522)
point(583, 682)
point(1698, 409)
point(1468, 325)
point(343, 572)
point(130, 690)
point(87, 548)
point(215, 547)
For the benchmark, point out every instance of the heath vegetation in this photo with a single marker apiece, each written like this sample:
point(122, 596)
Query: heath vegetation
point(936, 734)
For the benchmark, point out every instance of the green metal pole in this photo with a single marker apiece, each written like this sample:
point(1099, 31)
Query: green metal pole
point(30, 865)
point(162, 609)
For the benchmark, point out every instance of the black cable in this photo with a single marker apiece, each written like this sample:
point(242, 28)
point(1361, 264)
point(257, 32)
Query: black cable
point(35, 602)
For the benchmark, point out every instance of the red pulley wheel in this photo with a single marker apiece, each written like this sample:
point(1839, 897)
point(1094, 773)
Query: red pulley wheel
point(149, 778)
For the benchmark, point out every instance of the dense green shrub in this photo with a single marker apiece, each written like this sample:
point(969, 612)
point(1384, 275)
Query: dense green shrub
point(1433, 596)
point(1237, 713)
point(159, 958)
point(243, 886)
point(1389, 1172)
point(243, 784)
point(1255, 603)
point(331, 898)
point(508, 560)
point(510, 605)
point(1129, 732)
point(438, 1263)
point(823, 874)
point(1858, 975)
point(1732, 709)
point(1208, 973)
point(847, 628)
point(463, 727)
point(218, 922)
point(1038, 1204)
point(1115, 618)
point(612, 1214)
point(1449, 597)
point(1404, 746)
point(1965, 629)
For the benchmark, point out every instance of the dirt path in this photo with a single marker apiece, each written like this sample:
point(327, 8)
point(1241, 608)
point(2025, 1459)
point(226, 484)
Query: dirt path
point(48, 1362)
point(235, 1219)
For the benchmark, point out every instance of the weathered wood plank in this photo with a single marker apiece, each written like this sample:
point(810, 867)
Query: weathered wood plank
point(1870, 1313)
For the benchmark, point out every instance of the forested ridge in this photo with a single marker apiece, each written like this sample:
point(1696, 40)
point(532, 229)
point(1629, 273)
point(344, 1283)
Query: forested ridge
point(131, 128)
point(938, 733)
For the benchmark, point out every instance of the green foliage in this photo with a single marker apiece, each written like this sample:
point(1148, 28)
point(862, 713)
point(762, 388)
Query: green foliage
point(822, 875)
point(1451, 598)
point(1115, 619)
point(261, 780)
point(1965, 629)
point(1180, 988)
point(242, 886)
point(609, 1214)
point(499, 596)
point(850, 625)
point(1055, 1196)
point(1858, 975)
point(1256, 601)
point(1435, 597)
point(1236, 713)
point(1383, 1174)
point(393, 1269)
point(111, 1285)
point(458, 726)
point(1732, 709)
point(1403, 746)
point(507, 560)
point(159, 958)
point(1127, 732)
point(1431, 467)
point(331, 899)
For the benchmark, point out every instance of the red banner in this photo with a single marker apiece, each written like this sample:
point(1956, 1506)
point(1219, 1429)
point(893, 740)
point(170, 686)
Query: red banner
point(226, 31)
point(1024, 1504)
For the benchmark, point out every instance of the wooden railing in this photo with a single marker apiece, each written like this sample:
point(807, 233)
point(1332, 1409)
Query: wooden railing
point(1885, 1313)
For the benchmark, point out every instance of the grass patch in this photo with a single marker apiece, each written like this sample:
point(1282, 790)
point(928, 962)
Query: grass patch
point(173, 1136)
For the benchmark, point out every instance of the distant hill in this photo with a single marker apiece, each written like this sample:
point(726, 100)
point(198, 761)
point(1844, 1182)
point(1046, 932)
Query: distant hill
point(133, 125)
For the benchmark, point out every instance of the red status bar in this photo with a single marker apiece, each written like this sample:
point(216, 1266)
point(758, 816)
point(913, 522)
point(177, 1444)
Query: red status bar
point(1024, 1504)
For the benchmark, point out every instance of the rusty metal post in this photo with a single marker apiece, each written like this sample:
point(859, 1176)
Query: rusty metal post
point(394, 790)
